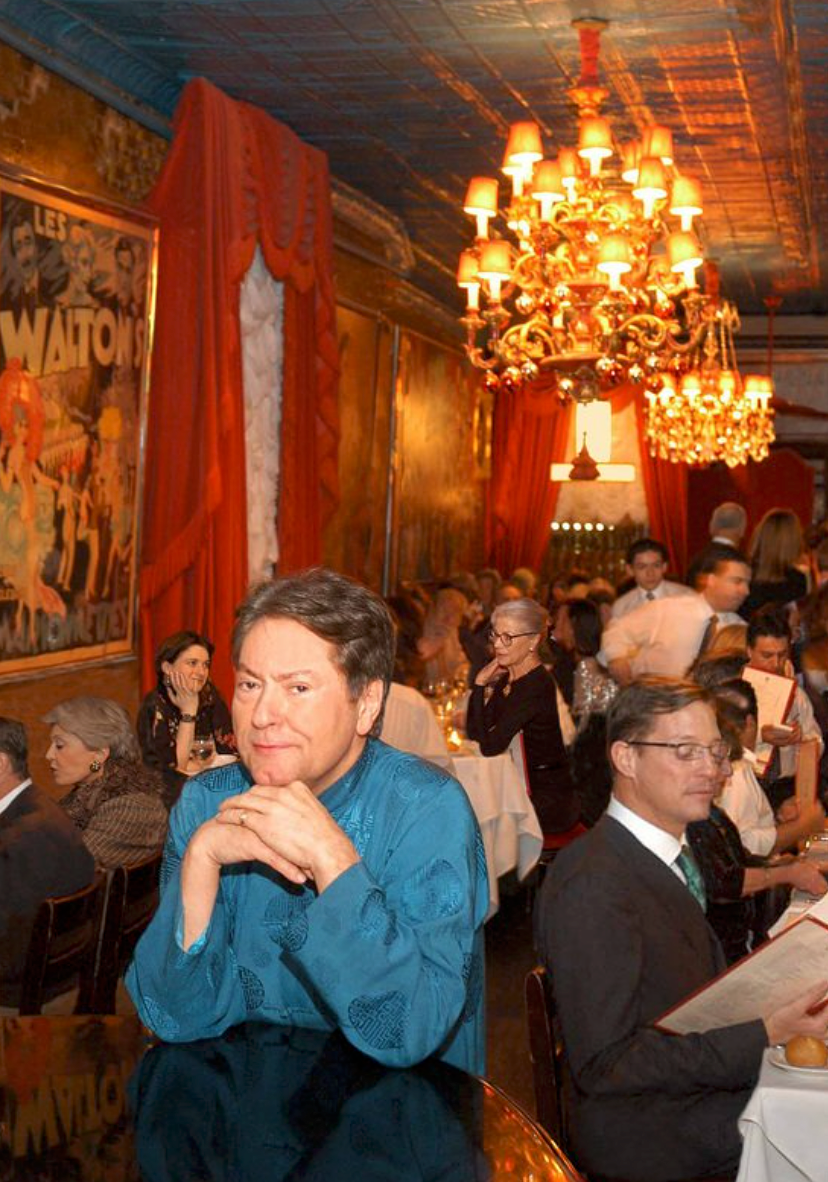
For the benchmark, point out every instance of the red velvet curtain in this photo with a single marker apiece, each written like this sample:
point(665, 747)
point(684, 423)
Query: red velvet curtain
point(233, 177)
point(665, 487)
point(531, 430)
point(784, 480)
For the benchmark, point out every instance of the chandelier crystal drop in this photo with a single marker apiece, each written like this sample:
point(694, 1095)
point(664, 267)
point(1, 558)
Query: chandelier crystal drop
point(712, 413)
point(597, 282)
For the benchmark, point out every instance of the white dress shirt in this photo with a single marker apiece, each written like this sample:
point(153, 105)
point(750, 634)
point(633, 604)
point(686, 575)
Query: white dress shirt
point(658, 841)
point(662, 637)
point(13, 795)
point(744, 801)
point(638, 596)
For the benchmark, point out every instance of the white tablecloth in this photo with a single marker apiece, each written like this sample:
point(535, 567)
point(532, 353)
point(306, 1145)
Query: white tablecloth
point(785, 1128)
point(508, 822)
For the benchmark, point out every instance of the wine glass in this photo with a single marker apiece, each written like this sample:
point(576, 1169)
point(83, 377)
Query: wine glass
point(202, 752)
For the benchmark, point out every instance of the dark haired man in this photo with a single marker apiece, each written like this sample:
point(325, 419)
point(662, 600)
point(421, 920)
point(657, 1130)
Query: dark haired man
point(328, 880)
point(620, 925)
point(666, 636)
point(647, 562)
point(42, 855)
point(27, 296)
point(769, 650)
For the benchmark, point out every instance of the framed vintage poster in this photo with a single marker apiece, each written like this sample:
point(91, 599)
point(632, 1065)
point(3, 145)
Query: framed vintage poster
point(76, 307)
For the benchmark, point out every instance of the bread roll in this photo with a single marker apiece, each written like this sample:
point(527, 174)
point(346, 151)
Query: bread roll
point(806, 1051)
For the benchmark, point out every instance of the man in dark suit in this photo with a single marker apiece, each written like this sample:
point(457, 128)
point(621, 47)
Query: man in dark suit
point(621, 928)
point(728, 523)
point(41, 855)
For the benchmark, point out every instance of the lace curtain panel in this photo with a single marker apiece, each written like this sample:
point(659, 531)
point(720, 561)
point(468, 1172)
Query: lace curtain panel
point(261, 313)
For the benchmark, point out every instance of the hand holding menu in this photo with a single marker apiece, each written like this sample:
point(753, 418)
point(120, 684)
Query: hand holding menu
point(774, 697)
point(775, 974)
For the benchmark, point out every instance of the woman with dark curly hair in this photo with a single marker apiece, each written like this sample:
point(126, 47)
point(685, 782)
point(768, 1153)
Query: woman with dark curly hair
point(185, 713)
point(115, 801)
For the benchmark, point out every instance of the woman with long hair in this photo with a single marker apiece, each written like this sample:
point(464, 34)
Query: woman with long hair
point(185, 713)
point(776, 552)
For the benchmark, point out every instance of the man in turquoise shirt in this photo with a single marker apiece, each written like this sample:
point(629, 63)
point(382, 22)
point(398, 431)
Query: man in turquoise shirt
point(327, 880)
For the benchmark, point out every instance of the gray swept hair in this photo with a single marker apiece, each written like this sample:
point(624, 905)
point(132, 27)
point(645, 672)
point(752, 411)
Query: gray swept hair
point(97, 722)
point(528, 614)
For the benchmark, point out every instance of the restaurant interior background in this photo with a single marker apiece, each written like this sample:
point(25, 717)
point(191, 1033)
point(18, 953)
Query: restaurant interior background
point(409, 101)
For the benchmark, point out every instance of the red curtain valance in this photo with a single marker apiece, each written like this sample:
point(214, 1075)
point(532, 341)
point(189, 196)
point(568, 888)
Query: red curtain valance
point(233, 178)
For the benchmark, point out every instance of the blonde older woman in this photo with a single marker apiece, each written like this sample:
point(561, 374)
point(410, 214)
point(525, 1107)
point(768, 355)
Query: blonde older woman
point(514, 694)
point(115, 801)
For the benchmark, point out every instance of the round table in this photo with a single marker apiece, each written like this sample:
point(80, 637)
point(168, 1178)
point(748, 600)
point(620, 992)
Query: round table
point(90, 1098)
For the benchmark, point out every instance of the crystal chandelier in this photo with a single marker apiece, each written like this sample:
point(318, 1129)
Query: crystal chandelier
point(712, 413)
point(597, 286)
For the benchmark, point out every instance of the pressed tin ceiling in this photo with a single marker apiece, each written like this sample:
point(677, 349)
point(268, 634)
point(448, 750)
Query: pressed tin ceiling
point(410, 98)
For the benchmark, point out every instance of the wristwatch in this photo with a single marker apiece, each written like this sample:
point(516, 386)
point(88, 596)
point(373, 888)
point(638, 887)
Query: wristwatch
point(187, 717)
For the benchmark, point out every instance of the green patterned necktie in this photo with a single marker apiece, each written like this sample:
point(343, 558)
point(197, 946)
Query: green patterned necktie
point(689, 867)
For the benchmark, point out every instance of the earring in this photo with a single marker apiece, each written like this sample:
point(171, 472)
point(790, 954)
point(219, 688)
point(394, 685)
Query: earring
point(95, 765)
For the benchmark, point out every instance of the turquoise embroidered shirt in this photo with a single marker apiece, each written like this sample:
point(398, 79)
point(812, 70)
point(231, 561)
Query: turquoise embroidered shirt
point(391, 952)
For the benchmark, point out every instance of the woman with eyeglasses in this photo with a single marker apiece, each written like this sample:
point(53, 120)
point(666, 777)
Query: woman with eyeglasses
point(514, 695)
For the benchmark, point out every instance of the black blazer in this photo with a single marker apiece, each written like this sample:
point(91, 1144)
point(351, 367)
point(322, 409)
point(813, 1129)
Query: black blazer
point(624, 941)
point(41, 855)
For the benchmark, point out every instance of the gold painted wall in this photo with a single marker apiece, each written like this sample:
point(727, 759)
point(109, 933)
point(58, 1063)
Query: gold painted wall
point(51, 127)
point(439, 517)
point(354, 538)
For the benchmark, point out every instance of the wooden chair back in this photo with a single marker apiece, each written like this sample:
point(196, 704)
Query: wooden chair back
point(546, 1055)
point(546, 1052)
point(62, 948)
point(131, 904)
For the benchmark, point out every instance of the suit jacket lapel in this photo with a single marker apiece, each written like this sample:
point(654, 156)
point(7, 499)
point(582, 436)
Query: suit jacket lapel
point(656, 877)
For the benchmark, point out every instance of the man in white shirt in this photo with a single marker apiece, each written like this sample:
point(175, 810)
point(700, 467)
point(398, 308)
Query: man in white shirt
point(621, 927)
point(769, 649)
point(665, 637)
point(647, 562)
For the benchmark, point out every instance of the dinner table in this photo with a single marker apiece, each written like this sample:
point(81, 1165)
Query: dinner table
point(496, 788)
point(785, 1124)
point(96, 1098)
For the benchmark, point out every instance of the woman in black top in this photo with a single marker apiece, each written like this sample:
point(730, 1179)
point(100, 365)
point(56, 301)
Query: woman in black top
point(184, 706)
point(513, 695)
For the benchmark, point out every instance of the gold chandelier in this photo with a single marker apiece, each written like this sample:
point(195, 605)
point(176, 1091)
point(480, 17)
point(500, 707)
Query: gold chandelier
point(599, 287)
point(711, 413)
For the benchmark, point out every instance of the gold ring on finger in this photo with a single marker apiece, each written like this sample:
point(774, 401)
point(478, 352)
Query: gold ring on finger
point(242, 816)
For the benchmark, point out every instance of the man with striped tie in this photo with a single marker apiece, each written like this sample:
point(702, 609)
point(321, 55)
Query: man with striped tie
point(621, 927)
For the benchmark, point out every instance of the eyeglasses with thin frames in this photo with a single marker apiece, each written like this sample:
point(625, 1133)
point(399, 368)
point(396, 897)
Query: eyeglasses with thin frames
point(689, 752)
point(506, 638)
